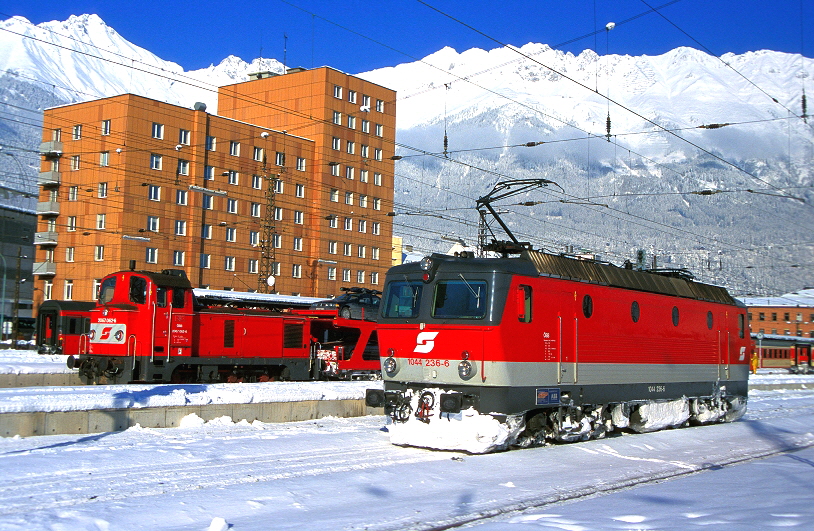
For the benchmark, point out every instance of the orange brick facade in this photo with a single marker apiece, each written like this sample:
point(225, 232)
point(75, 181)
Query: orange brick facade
point(130, 178)
point(782, 320)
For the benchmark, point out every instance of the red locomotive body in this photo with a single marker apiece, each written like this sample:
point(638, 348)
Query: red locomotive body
point(519, 350)
point(153, 327)
point(62, 326)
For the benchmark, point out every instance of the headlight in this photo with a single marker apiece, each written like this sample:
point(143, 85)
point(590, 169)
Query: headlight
point(92, 334)
point(390, 366)
point(426, 263)
point(466, 370)
point(119, 335)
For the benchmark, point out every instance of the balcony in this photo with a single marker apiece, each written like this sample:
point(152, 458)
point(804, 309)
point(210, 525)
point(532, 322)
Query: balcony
point(51, 149)
point(45, 238)
point(48, 208)
point(45, 269)
point(48, 178)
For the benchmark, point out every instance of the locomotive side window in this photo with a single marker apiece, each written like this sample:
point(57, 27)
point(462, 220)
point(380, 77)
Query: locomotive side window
point(229, 333)
point(402, 298)
point(635, 312)
point(107, 290)
point(161, 296)
point(524, 304)
point(178, 298)
point(587, 306)
point(709, 320)
point(675, 315)
point(459, 299)
point(740, 325)
point(138, 290)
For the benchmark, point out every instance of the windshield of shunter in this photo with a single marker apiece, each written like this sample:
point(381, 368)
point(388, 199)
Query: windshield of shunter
point(107, 290)
point(459, 299)
point(401, 298)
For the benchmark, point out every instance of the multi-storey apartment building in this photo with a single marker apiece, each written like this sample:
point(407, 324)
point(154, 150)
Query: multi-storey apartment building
point(791, 314)
point(292, 179)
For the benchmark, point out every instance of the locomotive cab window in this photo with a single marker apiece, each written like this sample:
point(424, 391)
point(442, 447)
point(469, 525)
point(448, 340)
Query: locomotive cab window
point(178, 297)
point(138, 290)
point(459, 299)
point(161, 296)
point(524, 304)
point(401, 298)
point(107, 290)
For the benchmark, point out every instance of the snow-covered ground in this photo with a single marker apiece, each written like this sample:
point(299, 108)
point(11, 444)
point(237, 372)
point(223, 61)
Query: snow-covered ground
point(336, 474)
point(29, 362)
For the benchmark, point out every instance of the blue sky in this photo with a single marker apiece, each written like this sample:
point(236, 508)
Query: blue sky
point(322, 32)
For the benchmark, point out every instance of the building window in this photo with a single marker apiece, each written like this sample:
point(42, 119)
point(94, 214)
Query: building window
point(231, 206)
point(178, 258)
point(77, 132)
point(335, 169)
point(296, 271)
point(279, 186)
point(297, 244)
point(254, 238)
point(209, 173)
point(73, 193)
point(335, 195)
point(336, 143)
point(337, 92)
point(351, 122)
point(337, 119)
point(377, 154)
point(362, 225)
point(362, 200)
point(257, 182)
point(234, 148)
point(331, 273)
point(97, 283)
point(377, 179)
point(68, 291)
point(231, 234)
point(255, 210)
point(365, 151)
point(183, 167)
point(252, 263)
point(101, 221)
point(101, 190)
point(374, 278)
point(348, 198)
point(346, 275)
point(183, 137)
point(352, 96)
point(300, 164)
point(332, 222)
point(379, 130)
point(379, 106)
point(180, 227)
point(74, 162)
point(363, 176)
point(155, 161)
point(180, 197)
point(204, 262)
point(71, 223)
point(48, 290)
point(375, 228)
point(158, 131)
point(349, 172)
point(348, 223)
point(275, 268)
point(276, 241)
point(365, 126)
point(331, 248)
point(298, 217)
point(361, 251)
point(377, 203)
point(279, 158)
point(351, 147)
point(299, 190)
point(206, 231)
point(374, 253)
point(151, 256)
point(154, 193)
point(105, 127)
point(278, 213)
point(104, 158)
point(152, 223)
point(347, 249)
point(69, 253)
point(366, 102)
point(207, 202)
point(257, 154)
point(360, 277)
point(233, 177)
point(229, 263)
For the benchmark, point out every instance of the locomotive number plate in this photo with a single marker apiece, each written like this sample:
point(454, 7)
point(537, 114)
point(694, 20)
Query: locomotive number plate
point(656, 388)
point(548, 396)
point(428, 363)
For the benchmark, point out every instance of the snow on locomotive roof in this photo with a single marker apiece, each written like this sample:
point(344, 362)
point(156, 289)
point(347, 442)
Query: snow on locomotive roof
point(803, 299)
point(248, 297)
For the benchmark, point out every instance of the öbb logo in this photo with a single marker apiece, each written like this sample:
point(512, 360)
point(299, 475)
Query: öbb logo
point(425, 342)
point(105, 333)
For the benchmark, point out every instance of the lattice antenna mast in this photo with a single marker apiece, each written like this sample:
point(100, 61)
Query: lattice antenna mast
point(265, 278)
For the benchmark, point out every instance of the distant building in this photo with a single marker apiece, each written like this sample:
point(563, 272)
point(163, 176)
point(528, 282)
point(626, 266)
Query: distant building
point(292, 179)
point(791, 314)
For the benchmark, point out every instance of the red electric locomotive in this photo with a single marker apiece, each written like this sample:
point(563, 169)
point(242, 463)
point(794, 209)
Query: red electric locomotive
point(482, 353)
point(153, 327)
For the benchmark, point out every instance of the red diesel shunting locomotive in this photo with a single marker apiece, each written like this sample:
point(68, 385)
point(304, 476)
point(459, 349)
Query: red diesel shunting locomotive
point(149, 327)
point(482, 353)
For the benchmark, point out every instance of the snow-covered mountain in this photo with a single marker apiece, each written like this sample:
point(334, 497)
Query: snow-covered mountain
point(632, 192)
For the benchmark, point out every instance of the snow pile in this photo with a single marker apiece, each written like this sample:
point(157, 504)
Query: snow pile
point(656, 416)
point(29, 362)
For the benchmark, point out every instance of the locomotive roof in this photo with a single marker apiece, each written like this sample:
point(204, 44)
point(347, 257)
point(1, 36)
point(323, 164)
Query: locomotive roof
point(533, 263)
point(165, 278)
point(71, 306)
